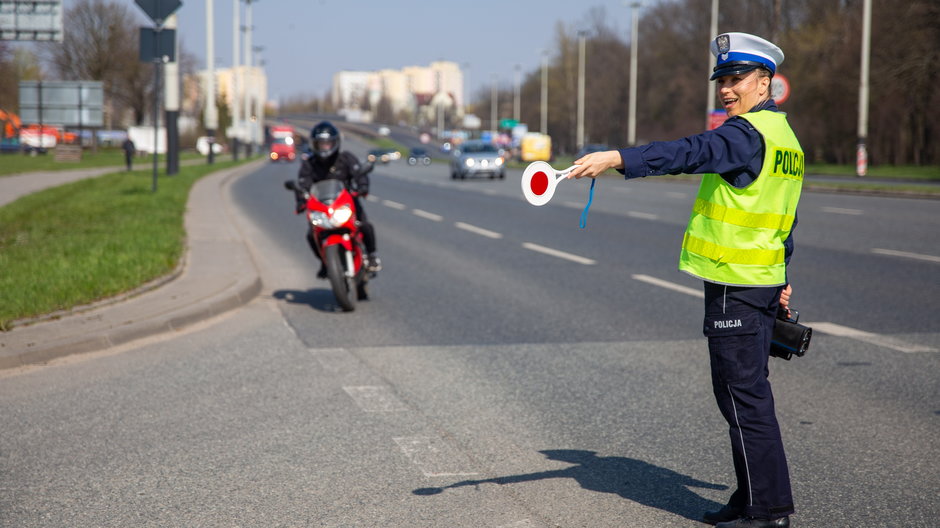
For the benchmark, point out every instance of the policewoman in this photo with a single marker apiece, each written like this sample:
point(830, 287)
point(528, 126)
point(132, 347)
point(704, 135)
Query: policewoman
point(738, 241)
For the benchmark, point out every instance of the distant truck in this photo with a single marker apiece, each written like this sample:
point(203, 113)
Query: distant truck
point(283, 146)
point(535, 147)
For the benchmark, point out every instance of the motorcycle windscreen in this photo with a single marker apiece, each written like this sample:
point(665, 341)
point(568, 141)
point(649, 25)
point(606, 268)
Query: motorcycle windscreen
point(326, 191)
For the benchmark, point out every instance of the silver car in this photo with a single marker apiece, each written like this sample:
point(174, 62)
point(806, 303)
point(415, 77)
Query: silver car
point(477, 158)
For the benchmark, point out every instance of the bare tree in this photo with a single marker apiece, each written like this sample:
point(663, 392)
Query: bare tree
point(101, 43)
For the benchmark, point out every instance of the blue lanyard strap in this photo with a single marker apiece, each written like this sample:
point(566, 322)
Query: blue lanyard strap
point(583, 222)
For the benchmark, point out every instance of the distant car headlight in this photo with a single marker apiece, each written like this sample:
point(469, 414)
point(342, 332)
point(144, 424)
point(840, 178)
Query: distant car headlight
point(498, 162)
point(470, 162)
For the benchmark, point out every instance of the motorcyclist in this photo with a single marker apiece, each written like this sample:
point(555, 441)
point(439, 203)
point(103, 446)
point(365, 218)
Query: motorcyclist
point(326, 161)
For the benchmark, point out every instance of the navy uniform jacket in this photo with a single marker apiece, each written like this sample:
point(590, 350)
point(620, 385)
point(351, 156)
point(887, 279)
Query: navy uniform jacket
point(735, 150)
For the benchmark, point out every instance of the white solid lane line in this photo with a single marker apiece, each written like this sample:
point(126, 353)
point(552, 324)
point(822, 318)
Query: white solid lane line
point(868, 337)
point(478, 230)
point(429, 216)
point(669, 285)
point(905, 254)
point(560, 254)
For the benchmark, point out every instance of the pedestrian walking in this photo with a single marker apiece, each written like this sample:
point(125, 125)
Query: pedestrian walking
point(129, 150)
point(738, 241)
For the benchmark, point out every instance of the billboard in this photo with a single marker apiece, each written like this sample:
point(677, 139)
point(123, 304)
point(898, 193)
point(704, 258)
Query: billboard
point(31, 20)
point(66, 103)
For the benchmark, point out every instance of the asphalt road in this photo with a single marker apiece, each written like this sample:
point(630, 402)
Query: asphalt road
point(509, 370)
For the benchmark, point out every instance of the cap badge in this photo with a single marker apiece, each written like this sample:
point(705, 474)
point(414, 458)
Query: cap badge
point(724, 44)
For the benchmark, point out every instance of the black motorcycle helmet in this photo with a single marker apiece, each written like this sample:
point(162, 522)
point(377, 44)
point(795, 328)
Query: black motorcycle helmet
point(324, 137)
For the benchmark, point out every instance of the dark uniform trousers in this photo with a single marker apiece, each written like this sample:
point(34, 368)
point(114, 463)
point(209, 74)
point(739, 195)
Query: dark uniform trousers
point(739, 324)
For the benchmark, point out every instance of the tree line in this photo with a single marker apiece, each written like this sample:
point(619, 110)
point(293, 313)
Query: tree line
point(822, 43)
point(821, 40)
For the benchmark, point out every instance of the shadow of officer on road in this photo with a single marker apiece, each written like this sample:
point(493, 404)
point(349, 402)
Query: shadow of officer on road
point(632, 479)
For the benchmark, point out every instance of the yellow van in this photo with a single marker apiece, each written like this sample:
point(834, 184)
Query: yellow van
point(536, 147)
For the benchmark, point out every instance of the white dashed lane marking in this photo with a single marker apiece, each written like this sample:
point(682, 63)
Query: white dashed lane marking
point(905, 254)
point(394, 205)
point(560, 254)
point(669, 285)
point(433, 456)
point(430, 216)
point(643, 216)
point(868, 337)
point(840, 210)
point(478, 230)
point(826, 328)
point(372, 398)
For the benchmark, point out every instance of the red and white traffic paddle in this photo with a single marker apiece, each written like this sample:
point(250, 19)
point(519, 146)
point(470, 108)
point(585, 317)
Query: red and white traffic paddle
point(539, 181)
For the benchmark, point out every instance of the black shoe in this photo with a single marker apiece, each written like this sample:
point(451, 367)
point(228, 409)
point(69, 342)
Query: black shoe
point(748, 522)
point(322, 273)
point(373, 263)
point(725, 514)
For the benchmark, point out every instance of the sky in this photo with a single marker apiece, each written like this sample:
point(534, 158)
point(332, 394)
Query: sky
point(307, 41)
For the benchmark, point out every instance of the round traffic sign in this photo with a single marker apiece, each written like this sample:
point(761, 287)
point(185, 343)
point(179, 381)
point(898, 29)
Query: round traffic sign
point(779, 88)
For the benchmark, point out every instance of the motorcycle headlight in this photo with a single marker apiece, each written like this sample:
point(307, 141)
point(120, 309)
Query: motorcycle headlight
point(318, 218)
point(341, 216)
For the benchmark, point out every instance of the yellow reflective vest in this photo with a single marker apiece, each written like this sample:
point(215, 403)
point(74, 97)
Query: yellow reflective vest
point(735, 236)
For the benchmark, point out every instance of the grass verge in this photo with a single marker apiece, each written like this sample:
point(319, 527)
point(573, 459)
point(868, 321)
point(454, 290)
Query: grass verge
point(17, 163)
point(92, 239)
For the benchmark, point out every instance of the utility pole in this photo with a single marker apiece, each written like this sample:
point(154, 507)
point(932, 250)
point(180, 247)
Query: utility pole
point(861, 159)
point(516, 112)
point(211, 113)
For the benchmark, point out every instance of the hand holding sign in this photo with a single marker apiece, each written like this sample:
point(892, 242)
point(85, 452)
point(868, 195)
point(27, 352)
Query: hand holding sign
point(539, 181)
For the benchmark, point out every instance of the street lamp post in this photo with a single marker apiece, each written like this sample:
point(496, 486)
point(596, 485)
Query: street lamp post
point(259, 95)
point(861, 161)
point(516, 112)
point(249, 88)
point(211, 114)
point(468, 89)
point(493, 124)
point(580, 131)
point(236, 118)
point(634, 43)
point(710, 94)
point(544, 92)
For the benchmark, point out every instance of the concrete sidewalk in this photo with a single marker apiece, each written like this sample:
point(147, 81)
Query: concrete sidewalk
point(218, 275)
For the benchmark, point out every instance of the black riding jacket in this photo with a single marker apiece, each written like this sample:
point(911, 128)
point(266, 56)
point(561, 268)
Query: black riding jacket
point(343, 166)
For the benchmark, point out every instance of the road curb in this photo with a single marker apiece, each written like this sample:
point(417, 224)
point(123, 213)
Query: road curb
point(219, 275)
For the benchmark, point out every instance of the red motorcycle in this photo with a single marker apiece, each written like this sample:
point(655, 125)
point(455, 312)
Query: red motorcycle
point(331, 212)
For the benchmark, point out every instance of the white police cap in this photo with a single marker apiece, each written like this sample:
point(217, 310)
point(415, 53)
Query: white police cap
point(742, 52)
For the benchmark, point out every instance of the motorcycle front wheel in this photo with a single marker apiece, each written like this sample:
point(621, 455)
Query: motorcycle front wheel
point(344, 288)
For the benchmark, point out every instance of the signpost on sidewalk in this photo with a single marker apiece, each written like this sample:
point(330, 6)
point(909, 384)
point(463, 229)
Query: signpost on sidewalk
point(157, 45)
